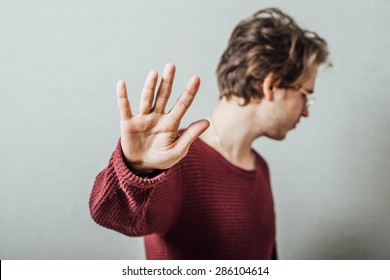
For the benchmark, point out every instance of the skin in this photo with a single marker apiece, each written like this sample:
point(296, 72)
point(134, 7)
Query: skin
point(278, 112)
point(150, 138)
point(284, 108)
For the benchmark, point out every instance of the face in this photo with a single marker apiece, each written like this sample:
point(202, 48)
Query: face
point(287, 107)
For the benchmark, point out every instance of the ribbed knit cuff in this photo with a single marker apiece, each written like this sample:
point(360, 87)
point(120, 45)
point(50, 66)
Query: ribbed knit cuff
point(134, 178)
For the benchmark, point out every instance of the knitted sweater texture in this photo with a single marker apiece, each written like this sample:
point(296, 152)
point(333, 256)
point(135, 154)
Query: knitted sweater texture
point(201, 208)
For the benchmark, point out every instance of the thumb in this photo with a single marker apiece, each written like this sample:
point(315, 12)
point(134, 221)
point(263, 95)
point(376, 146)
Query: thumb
point(190, 134)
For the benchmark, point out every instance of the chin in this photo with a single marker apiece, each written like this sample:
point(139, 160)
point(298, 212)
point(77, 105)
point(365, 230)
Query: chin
point(280, 138)
point(277, 136)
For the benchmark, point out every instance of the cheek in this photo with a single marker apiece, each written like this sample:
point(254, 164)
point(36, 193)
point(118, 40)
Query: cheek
point(297, 108)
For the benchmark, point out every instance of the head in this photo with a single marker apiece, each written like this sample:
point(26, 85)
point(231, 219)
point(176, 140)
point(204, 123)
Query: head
point(267, 54)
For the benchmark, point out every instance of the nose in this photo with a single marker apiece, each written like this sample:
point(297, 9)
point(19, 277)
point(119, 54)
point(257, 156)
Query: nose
point(305, 111)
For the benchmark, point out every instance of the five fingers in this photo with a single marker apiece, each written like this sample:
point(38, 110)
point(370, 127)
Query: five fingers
point(123, 101)
point(183, 143)
point(164, 91)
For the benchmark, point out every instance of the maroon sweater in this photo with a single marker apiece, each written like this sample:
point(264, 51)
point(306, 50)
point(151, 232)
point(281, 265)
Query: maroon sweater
point(201, 208)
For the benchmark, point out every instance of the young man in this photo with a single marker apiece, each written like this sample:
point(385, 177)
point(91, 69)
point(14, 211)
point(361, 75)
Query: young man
point(204, 193)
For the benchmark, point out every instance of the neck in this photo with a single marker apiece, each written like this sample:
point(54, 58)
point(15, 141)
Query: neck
point(231, 124)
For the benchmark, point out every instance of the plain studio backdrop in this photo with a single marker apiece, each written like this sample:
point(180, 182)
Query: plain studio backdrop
point(60, 61)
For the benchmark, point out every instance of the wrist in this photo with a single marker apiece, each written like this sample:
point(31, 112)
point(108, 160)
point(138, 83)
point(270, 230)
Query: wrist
point(138, 168)
point(141, 170)
point(144, 173)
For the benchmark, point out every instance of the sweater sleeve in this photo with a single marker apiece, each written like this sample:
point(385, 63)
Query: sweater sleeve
point(133, 205)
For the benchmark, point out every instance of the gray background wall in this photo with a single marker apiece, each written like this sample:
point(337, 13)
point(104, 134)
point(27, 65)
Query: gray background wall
point(60, 60)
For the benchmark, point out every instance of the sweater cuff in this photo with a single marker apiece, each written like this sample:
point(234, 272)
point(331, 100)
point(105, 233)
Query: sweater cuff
point(129, 177)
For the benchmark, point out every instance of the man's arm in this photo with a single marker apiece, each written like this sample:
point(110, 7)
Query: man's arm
point(150, 144)
point(121, 200)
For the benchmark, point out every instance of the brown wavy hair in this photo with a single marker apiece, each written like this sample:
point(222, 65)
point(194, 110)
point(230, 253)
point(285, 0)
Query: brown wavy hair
point(268, 42)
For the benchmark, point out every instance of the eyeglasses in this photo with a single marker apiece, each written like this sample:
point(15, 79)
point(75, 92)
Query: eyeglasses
point(308, 96)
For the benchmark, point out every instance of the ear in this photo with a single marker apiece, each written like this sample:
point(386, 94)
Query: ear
point(267, 87)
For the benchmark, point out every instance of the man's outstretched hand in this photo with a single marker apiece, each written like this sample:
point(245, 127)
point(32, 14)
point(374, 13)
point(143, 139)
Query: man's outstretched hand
point(150, 139)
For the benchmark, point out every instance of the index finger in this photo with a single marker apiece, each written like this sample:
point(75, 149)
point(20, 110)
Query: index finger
point(185, 99)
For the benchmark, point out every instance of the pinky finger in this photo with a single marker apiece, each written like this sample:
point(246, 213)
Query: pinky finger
point(123, 101)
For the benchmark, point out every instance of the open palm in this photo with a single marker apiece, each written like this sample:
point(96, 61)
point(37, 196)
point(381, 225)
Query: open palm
point(150, 139)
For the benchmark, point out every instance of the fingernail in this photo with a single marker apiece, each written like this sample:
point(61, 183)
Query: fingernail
point(120, 83)
point(152, 74)
point(169, 67)
point(195, 79)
